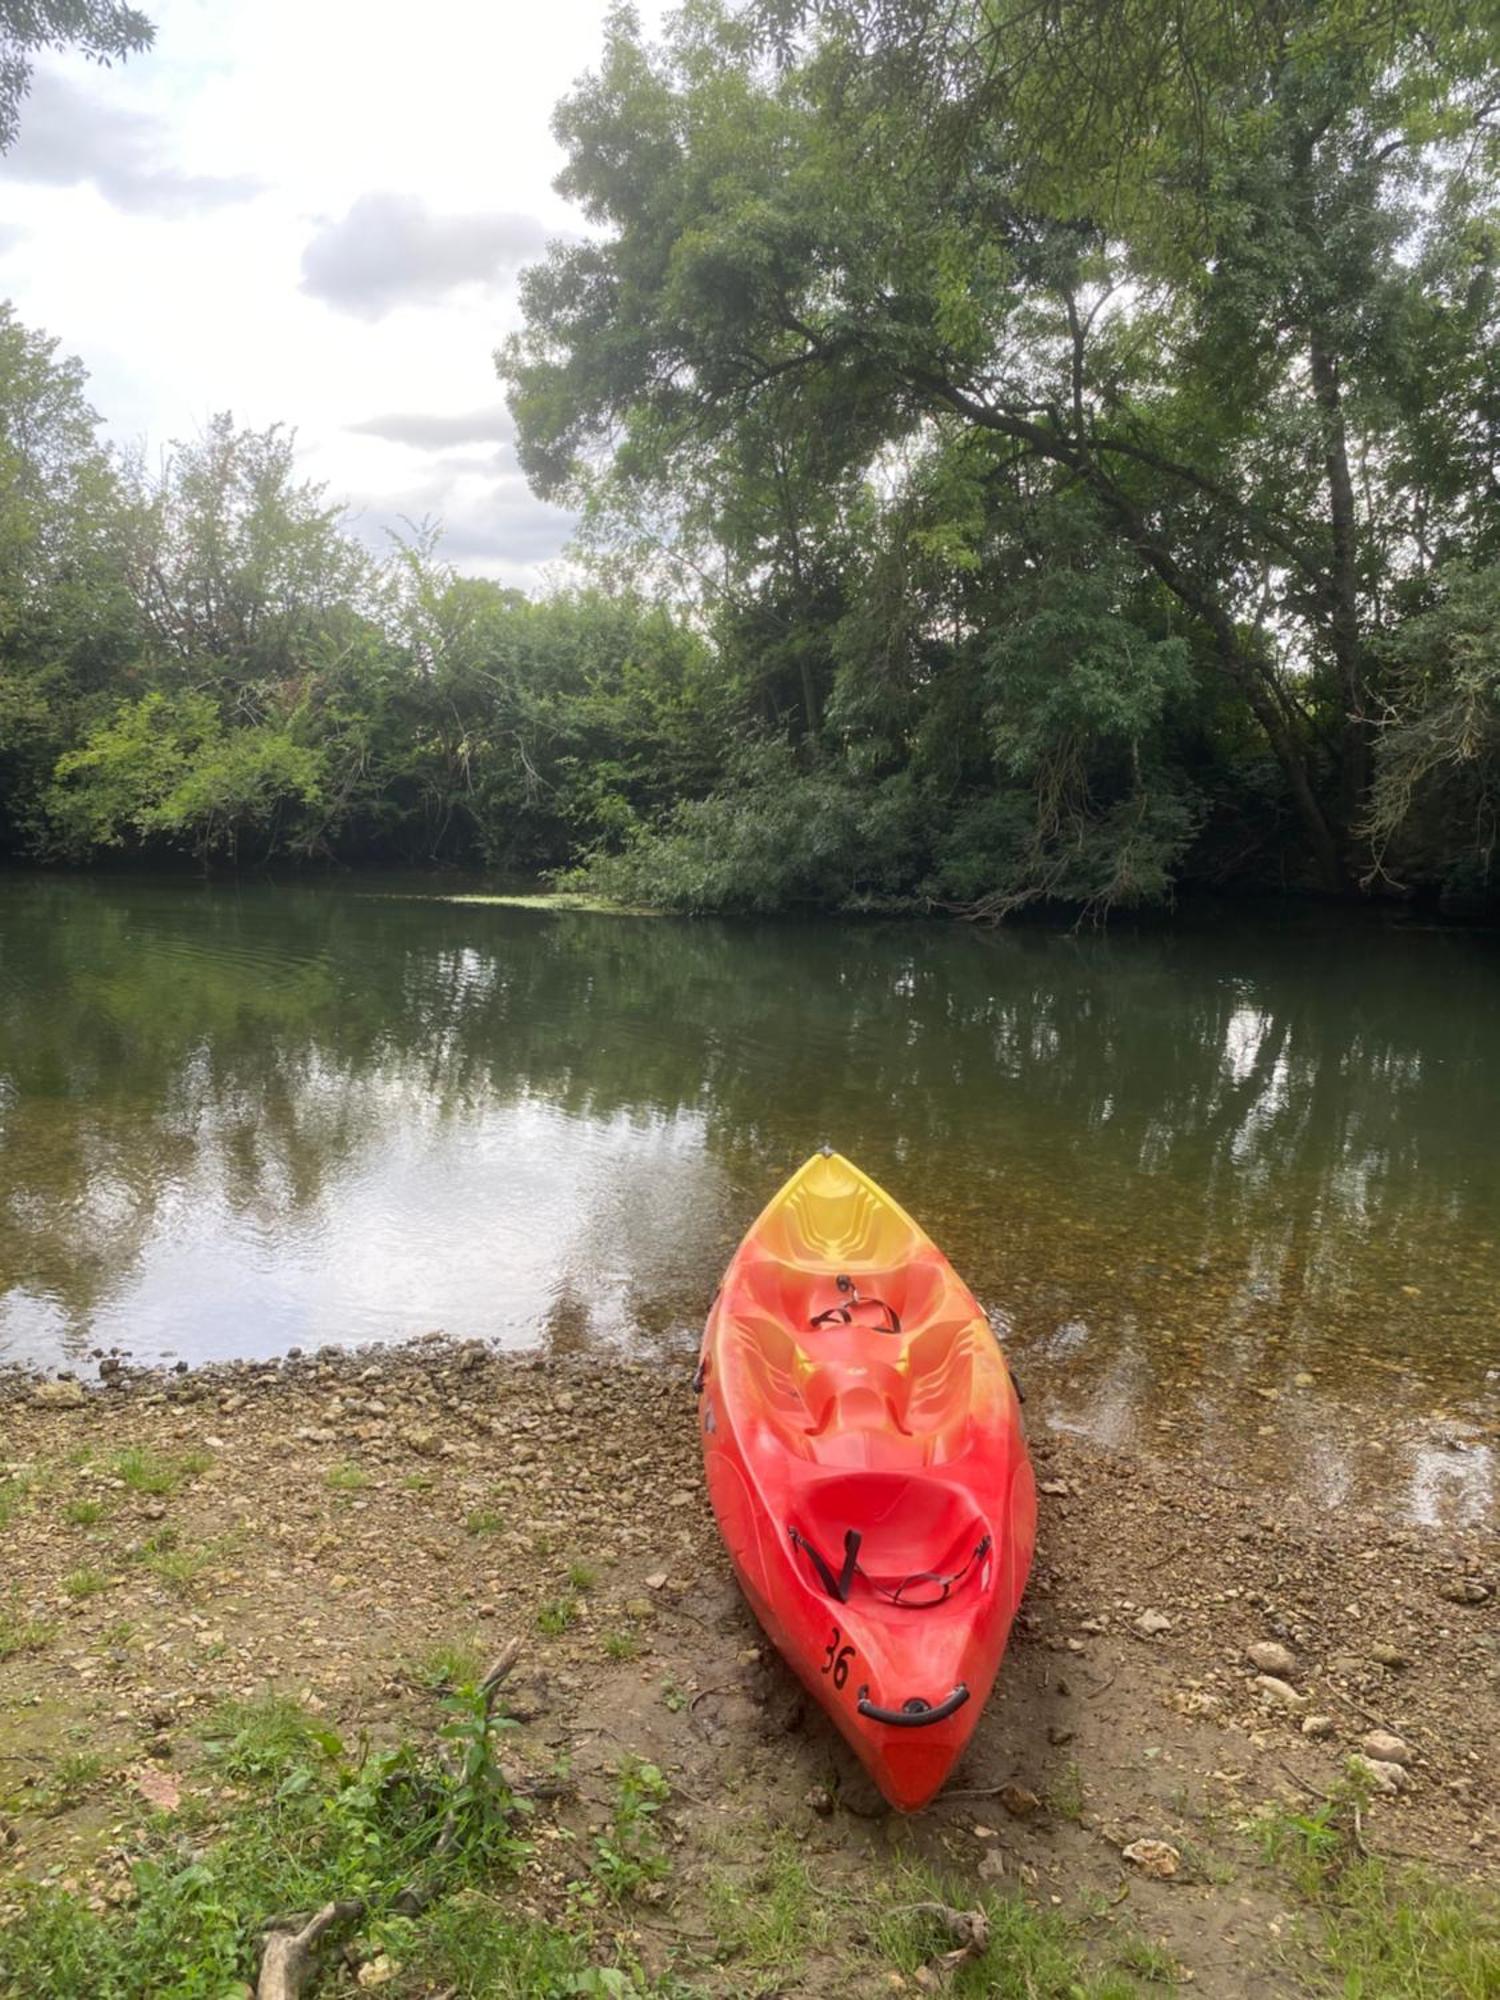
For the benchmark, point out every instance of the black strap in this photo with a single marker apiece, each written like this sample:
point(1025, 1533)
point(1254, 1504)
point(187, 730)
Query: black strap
point(839, 1586)
point(844, 1310)
point(836, 1586)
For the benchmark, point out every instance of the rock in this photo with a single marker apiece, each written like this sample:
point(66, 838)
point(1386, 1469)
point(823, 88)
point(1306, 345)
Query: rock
point(376, 1971)
point(1151, 1624)
point(1386, 1655)
point(1385, 1778)
point(818, 1799)
point(657, 1580)
point(1465, 1590)
point(1056, 1488)
point(1271, 1657)
point(1317, 1725)
point(1019, 1801)
point(1280, 1692)
point(991, 1864)
point(64, 1395)
point(1152, 1857)
point(1385, 1748)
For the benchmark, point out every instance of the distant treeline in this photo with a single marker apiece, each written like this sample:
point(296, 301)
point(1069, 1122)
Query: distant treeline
point(1027, 455)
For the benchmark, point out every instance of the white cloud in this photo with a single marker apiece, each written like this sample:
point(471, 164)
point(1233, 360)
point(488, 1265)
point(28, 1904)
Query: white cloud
point(75, 137)
point(392, 250)
point(365, 140)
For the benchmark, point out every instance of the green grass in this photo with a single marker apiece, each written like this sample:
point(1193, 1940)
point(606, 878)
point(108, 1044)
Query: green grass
point(182, 1569)
point(118, 1635)
point(451, 1663)
point(1379, 1929)
point(621, 1646)
point(316, 1825)
point(770, 1917)
point(629, 1856)
point(85, 1583)
point(347, 1478)
point(556, 1615)
point(157, 1474)
point(255, 1740)
point(485, 1521)
point(12, 1492)
point(84, 1513)
point(1032, 1954)
point(581, 1577)
point(71, 1779)
point(1065, 1795)
point(19, 1631)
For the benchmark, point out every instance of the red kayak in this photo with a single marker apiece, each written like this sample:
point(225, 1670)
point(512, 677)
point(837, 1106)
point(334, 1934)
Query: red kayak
point(865, 1457)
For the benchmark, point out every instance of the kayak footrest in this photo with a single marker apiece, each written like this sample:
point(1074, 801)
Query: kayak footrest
point(913, 1714)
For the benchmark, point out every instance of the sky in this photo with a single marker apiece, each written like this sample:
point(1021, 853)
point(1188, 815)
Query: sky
point(311, 212)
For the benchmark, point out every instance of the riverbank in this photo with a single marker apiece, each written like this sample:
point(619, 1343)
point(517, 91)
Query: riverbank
point(353, 1531)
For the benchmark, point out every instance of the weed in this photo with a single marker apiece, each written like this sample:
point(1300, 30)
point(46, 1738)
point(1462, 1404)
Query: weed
point(485, 1521)
point(556, 1615)
point(1150, 1961)
point(83, 1513)
point(581, 1577)
point(12, 1492)
point(629, 1855)
point(621, 1645)
point(450, 1664)
point(1030, 1951)
point(70, 1780)
point(182, 1569)
point(85, 1583)
point(19, 1632)
point(157, 1473)
point(347, 1478)
point(257, 1740)
point(418, 1482)
point(118, 1635)
point(673, 1697)
point(1065, 1796)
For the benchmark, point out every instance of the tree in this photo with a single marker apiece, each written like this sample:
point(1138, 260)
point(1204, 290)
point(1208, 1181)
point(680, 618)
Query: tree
point(1206, 267)
point(102, 30)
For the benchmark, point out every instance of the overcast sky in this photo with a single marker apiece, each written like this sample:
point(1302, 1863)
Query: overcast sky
point(310, 211)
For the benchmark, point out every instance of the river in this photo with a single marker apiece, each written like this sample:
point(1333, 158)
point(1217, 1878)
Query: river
point(1239, 1175)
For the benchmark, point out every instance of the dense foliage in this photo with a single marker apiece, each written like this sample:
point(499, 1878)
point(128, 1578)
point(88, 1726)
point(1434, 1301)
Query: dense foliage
point(205, 663)
point(1029, 454)
point(1083, 418)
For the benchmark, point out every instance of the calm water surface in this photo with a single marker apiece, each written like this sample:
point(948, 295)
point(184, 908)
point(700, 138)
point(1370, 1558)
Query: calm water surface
point(1242, 1179)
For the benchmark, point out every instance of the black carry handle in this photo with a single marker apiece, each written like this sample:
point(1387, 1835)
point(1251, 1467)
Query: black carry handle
point(914, 1714)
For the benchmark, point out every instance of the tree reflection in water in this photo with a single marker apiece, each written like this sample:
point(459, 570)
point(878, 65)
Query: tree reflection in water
point(1188, 1166)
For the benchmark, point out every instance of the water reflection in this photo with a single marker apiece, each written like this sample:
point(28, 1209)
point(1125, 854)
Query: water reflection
point(1191, 1167)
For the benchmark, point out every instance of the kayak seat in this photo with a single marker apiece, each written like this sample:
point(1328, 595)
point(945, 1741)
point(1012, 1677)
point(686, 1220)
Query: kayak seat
point(797, 1297)
point(909, 1527)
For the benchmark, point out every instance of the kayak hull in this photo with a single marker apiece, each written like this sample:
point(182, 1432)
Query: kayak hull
point(867, 1466)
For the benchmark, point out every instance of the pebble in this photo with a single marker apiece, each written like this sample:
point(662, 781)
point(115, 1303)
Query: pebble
point(1386, 1778)
point(1317, 1725)
point(1280, 1691)
point(63, 1395)
point(1152, 1857)
point(1019, 1800)
point(1465, 1590)
point(1386, 1655)
point(1385, 1748)
point(1151, 1624)
point(1272, 1658)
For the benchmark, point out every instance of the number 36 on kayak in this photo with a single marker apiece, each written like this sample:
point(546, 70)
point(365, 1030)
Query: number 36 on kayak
point(865, 1458)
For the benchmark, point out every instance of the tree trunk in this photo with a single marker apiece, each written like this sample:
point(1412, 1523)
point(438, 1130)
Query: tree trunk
point(1343, 627)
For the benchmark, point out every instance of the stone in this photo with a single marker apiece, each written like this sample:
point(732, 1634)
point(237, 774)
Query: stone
point(1386, 1655)
point(818, 1799)
point(1385, 1778)
point(991, 1864)
point(1152, 1857)
point(1151, 1624)
point(1056, 1488)
point(63, 1395)
point(1385, 1748)
point(1317, 1725)
point(1270, 1657)
point(1279, 1691)
point(1465, 1590)
point(1019, 1801)
point(657, 1580)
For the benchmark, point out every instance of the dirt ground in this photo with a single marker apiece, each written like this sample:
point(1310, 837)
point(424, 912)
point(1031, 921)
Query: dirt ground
point(336, 1518)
